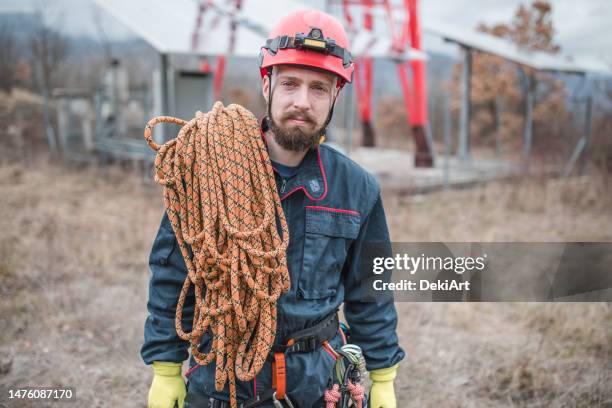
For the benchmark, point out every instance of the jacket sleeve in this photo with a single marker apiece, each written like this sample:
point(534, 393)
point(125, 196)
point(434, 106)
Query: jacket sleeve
point(168, 273)
point(372, 319)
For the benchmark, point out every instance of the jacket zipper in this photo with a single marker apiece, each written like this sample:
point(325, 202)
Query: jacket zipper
point(283, 186)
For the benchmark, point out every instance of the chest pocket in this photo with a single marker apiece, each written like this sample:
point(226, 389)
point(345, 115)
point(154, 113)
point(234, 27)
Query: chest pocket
point(328, 236)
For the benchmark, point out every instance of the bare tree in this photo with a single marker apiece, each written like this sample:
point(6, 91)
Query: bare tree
point(497, 82)
point(97, 20)
point(9, 55)
point(49, 48)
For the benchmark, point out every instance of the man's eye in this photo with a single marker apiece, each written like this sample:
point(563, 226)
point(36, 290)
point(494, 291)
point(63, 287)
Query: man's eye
point(319, 88)
point(288, 84)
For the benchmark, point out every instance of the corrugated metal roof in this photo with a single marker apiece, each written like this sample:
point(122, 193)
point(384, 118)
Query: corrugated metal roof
point(494, 45)
point(169, 27)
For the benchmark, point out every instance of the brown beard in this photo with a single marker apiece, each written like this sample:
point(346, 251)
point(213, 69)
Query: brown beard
point(294, 138)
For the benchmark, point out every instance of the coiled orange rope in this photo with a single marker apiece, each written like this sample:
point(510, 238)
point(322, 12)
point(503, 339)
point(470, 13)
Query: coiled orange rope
point(221, 199)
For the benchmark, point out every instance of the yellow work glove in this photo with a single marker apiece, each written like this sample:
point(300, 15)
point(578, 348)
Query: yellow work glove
point(382, 394)
point(168, 386)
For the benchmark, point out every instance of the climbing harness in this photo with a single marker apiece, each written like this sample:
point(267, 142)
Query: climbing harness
point(303, 341)
point(348, 369)
point(221, 198)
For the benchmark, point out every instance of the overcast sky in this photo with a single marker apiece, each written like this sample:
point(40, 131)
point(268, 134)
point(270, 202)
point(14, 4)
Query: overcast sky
point(583, 26)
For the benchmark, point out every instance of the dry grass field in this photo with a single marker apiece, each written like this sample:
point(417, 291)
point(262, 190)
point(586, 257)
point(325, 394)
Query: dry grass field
point(74, 245)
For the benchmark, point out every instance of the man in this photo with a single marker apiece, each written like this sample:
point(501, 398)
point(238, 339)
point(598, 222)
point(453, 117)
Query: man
point(333, 208)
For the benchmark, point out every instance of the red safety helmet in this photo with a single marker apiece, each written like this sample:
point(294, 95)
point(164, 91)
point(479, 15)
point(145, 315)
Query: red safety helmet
point(311, 38)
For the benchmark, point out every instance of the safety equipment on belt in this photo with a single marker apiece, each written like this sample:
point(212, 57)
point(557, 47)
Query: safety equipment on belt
point(382, 394)
point(346, 388)
point(168, 387)
point(310, 38)
point(221, 198)
point(303, 341)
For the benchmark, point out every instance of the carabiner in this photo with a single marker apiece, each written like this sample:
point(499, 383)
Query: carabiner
point(278, 404)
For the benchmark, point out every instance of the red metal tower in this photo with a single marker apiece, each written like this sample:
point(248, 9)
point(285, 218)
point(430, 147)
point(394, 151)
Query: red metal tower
point(405, 32)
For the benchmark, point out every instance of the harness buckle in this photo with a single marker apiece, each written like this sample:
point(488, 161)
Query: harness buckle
point(311, 343)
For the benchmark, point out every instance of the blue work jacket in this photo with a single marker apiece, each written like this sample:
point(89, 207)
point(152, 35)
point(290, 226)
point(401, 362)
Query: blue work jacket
point(333, 207)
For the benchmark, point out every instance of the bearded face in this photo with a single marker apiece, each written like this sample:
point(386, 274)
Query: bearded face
point(301, 101)
point(296, 131)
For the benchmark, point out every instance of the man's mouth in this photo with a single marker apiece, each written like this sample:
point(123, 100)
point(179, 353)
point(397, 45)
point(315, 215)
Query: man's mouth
point(298, 120)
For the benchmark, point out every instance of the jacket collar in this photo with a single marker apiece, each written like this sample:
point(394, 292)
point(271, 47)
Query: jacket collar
point(310, 178)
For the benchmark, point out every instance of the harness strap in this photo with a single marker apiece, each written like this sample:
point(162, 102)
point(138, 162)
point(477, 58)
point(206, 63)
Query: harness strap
point(279, 375)
point(311, 338)
point(302, 341)
point(200, 401)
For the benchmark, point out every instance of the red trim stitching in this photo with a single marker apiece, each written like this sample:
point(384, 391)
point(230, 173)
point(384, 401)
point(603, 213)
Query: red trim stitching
point(192, 369)
point(334, 210)
point(302, 187)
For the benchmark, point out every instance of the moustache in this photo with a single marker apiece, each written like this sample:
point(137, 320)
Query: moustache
point(299, 116)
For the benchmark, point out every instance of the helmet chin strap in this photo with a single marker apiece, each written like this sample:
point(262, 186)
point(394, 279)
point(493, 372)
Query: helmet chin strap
point(329, 114)
point(269, 94)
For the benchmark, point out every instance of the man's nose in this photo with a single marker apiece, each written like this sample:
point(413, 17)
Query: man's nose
point(300, 100)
